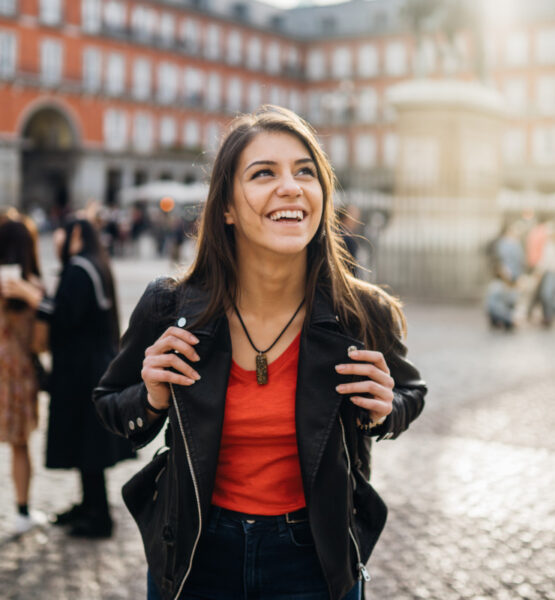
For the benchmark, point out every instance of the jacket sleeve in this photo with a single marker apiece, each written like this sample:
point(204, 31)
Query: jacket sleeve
point(408, 394)
point(121, 393)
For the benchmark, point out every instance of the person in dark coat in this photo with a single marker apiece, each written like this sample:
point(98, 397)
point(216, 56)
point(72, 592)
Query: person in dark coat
point(84, 336)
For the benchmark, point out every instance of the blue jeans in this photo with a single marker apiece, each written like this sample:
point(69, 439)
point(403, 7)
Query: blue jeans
point(268, 559)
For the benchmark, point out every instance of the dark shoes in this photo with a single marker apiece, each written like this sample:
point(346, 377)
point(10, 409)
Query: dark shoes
point(92, 525)
point(85, 523)
point(69, 516)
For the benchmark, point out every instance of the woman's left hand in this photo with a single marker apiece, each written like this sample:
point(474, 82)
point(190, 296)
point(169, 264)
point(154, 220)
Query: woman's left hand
point(23, 290)
point(378, 383)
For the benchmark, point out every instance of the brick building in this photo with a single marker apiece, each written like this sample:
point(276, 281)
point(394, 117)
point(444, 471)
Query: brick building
point(100, 94)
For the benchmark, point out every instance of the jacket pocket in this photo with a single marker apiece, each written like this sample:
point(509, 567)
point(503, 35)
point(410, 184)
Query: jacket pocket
point(148, 497)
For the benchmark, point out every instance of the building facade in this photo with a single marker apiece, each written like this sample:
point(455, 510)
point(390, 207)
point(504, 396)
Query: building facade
point(96, 95)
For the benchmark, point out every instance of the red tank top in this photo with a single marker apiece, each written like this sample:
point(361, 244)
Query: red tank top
point(258, 466)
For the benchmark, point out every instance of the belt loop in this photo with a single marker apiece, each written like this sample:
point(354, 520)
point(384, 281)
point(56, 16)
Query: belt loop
point(282, 524)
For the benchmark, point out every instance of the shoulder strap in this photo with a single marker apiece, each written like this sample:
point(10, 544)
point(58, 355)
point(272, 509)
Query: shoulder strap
point(102, 300)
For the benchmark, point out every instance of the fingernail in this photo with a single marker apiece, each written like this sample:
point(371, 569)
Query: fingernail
point(339, 388)
point(339, 367)
point(197, 376)
point(352, 350)
point(197, 357)
point(194, 340)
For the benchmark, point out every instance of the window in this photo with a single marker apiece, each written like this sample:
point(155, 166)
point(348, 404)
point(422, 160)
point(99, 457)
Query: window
point(7, 54)
point(114, 15)
point(276, 95)
point(168, 132)
point(50, 12)
point(141, 79)
point(395, 59)
point(295, 101)
point(516, 49)
point(191, 134)
point(544, 146)
point(212, 136)
point(425, 58)
point(234, 93)
point(190, 35)
point(366, 150)
point(368, 105)
point(194, 86)
point(115, 74)
point(255, 96)
point(115, 129)
point(234, 43)
point(91, 15)
point(390, 149)
point(51, 62)
point(292, 59)
point(213, 92)
point(167, 82)
point(254, 54)
point(273, 58)
point(144, 22)
point(545, 47)
point(143, 132)
point(516, 93)
point(339, 151)
point(514, 146)
point(167, 29)
point(212, 48)
point(92, 69)
point(315, 107)
point(315, 65)
point(7, 7)
point(546, 95)
point(368, 61)
point(341, 64)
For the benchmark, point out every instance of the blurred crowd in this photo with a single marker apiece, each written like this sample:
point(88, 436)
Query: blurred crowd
point(522, 259)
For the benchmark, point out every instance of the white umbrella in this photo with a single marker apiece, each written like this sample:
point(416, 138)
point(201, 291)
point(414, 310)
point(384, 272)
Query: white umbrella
point(154, 191)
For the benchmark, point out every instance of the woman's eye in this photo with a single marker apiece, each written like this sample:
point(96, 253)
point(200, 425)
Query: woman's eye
point(262, 173)
point(307, 171)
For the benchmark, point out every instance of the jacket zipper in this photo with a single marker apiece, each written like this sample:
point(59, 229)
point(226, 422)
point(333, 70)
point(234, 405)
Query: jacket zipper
point(362, 571)
point(195, 486)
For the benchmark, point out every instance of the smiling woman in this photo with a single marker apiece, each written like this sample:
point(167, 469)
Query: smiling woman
point(274, 367)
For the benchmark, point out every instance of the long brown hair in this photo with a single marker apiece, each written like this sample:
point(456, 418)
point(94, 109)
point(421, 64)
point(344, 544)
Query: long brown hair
point(374, 314)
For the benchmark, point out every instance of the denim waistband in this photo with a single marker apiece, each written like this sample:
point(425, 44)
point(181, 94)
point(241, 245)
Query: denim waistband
point(296, 516)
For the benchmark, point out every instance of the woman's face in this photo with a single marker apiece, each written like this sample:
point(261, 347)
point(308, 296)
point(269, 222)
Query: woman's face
point(277, 197)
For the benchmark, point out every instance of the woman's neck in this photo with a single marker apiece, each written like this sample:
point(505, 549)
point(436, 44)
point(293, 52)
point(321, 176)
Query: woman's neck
point(266, 287)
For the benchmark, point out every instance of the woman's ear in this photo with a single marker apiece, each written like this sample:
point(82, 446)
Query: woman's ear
point(228, 218)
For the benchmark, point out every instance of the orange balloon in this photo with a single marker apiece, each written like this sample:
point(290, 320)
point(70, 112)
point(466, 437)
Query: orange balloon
point(167, 203)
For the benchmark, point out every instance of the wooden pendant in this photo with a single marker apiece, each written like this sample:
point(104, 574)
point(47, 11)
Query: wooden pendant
point(261, 369)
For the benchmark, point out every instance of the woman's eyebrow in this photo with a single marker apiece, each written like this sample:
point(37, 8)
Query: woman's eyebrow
point(273, 162)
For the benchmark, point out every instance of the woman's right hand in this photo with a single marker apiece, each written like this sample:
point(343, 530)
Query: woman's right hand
point(160, 357)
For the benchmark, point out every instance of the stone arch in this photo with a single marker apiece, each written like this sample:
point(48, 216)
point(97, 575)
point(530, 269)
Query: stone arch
point(50, 144)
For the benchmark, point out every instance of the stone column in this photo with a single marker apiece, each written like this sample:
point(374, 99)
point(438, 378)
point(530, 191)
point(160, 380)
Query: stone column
point(447, 181)
point(10, 175)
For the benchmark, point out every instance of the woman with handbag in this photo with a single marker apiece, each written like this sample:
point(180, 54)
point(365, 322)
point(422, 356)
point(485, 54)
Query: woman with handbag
point(273, 366)
point(84, 337)
point(18, 378)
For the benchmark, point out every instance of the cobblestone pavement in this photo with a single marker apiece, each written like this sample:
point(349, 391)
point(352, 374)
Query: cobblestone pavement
point(470, 487)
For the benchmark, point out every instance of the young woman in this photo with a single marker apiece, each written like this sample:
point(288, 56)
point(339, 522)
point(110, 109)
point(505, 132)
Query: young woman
point(19, 385)
point(274, 366)
point(84, 336)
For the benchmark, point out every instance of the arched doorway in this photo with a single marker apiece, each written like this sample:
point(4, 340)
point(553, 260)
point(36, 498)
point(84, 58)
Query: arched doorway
point(48, 158)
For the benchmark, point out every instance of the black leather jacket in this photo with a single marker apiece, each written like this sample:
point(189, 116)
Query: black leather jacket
point(171, 496)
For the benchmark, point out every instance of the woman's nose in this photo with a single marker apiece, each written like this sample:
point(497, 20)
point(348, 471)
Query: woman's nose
point(289, 187)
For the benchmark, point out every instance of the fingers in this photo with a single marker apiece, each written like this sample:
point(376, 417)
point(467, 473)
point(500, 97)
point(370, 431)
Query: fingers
point(370, 356)
point(157, 376)
point(377, 408)
point(175, 339)
point(367, 370)
point(169, 360)
point(367, 386)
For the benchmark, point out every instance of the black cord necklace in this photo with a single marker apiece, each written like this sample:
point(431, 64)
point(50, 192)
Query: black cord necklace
point(261, 360)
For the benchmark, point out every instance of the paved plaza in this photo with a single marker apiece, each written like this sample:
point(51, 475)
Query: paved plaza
point(470, 487)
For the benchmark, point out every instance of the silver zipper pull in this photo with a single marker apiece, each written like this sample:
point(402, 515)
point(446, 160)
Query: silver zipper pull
point(364, 572)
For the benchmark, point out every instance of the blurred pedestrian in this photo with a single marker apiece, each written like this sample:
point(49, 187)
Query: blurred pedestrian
point(254, 358)
point(546, 267)
point(509, 252)
point(501, 299)
point(535, 245)
point(18, 378)
point(84, 336)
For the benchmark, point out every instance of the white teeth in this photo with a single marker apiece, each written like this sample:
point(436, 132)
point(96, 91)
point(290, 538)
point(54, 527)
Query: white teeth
point(287, 214)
